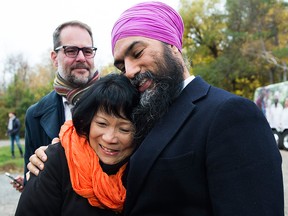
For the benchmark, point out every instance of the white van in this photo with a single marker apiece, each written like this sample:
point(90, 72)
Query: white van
point(273, 101)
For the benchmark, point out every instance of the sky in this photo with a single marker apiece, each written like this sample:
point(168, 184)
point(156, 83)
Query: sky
point(27, 25)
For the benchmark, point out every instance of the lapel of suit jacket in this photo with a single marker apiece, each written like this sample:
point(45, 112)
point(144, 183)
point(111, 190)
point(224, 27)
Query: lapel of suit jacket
point(51, 114)
point(164, 130)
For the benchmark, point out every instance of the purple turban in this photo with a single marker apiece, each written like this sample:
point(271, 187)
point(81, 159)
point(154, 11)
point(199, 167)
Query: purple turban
point(154, 20)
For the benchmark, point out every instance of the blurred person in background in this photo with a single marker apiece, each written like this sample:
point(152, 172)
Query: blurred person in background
point(13, 132)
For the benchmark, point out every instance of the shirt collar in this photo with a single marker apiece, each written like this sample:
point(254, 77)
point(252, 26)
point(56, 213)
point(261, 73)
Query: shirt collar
point(188, 80)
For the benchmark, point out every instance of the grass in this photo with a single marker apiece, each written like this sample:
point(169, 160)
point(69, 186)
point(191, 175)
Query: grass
point(7, 164)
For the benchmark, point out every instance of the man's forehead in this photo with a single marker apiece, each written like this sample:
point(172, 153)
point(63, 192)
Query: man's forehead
point(75, 35)
point(125, 44)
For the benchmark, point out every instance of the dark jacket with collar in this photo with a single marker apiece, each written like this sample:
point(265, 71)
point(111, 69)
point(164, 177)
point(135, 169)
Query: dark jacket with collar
point(42, 123)
point(212, 154)
point(15, 127)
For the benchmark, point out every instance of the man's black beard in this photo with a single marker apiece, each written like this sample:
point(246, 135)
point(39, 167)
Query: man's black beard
point(154, 103)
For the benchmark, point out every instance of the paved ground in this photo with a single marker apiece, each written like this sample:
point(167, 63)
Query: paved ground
point(7, 142)
point(9, 196)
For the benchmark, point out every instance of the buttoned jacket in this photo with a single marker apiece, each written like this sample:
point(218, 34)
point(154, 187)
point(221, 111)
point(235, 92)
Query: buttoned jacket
point(212, 154)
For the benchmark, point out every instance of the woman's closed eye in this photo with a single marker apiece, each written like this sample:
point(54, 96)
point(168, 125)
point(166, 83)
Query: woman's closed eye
point(101, 124)
point(125, 130)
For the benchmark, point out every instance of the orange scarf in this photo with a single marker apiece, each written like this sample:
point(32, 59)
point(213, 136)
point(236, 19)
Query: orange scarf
point(87, 177)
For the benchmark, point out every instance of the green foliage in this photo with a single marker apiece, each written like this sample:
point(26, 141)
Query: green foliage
point(19, 105)
point(280, 53)
point(203, 28)
point(3, 121)
point(238, 47)
point(110, 68)
point(25, 88)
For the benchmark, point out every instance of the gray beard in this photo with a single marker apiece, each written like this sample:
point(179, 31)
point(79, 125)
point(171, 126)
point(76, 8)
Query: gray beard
point(154, 103)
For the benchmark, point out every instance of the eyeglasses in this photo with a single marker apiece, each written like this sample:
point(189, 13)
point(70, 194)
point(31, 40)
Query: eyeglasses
point(73, 51)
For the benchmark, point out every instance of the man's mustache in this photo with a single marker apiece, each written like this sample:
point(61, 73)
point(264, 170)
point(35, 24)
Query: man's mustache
point(141, 76)
point(80, 66)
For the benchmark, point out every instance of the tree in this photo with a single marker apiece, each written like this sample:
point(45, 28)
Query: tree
point(110, 68)
point(25, 87)
point(203, 35)
point(238, 47)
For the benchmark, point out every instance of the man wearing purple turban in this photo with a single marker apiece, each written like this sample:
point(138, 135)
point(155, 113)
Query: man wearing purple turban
point(202, 151)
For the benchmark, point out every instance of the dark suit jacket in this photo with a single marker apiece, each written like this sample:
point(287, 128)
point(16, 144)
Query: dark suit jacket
point(42, 123)
point(213, 153)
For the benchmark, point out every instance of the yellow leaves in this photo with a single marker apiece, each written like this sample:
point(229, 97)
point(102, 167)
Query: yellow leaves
point(245, 87)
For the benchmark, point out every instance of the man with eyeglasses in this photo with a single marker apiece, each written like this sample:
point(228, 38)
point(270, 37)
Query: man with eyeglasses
point(73, 55)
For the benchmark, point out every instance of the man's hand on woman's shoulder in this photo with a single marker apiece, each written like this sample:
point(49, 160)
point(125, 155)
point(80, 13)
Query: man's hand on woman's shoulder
point(37, 160)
